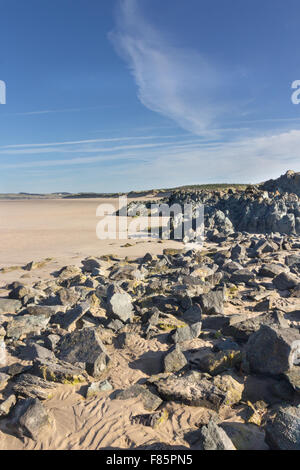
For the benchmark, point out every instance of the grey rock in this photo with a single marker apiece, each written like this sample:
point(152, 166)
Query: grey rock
point(97, 388)
point(245, 436)
point(119, 304)
point(191, 388)
point(9, 305)
point(4, 378)
point(284, 432)
point(241, 327)
point(29, 418)
point(213, 437)
point(7, 405)
point(242, 275)
point(272, 350)
point(150, 400)
point(212, 303)
point(26, 324)
point(69, 319)
point(174, 360)
point(59, 371)
point(285, 281)
point(186, 333)
point(45, 310)
point(84, 347)
point(28, 385)
point(192, 315)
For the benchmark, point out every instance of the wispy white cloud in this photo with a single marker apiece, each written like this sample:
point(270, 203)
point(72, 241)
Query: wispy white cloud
point(244, 160)
point(178, 83)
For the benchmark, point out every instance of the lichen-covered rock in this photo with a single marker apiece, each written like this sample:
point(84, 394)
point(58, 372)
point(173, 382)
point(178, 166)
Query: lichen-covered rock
point(59, 371)
point(191, 388)
point(28, 385)
point(23, 325)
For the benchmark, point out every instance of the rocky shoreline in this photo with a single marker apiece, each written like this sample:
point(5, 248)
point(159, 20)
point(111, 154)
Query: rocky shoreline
point(214, 333)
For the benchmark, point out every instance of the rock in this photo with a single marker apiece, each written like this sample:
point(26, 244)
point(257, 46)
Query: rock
point(272, 350)
point(271, 270)
point(245, 436)
point(293, 377)
point(119, 304)
point(174, 360)
point(284, 432)
point(191, 388)
point(226, 344)
point(285, 281)
point(36, 351)
point(9, 305)
point(231, 385)
point(150, 401)
point(186, 333)
point(69, 319)
point(28, 385)
point(215, 363)
point(68, 272)
point(59, 371)
point(17, 368)
point(213, 437)
point(153, 420)
point(84, 347)
point(7, 405)
point(29, 418)
point(242, 275)
point(212, 303)
point(192, 315)
point(3, 354)
point(292, 260)
point(96, 388)
point(25, 325)
point(89, 264)
point(68, 296)
point(45, 310)
point(214, 322)
point(51, 341)
point(241, 327)
point(3, 378)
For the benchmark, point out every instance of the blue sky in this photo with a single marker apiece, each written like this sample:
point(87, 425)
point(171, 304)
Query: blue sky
point(113, 95)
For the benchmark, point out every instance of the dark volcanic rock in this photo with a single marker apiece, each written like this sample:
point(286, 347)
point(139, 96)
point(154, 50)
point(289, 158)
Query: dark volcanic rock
point(284, 432)
point(28, 419)
point(272, 350)
point(84, 347)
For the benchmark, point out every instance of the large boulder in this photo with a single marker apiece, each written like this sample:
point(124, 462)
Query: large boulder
point(29, 418)
point(285, 281)
point(271, 350)
point(174, 360)
point(284, 432)
point(84, 347)
point(195, 389)
point(212, 303)
point(213, 437)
